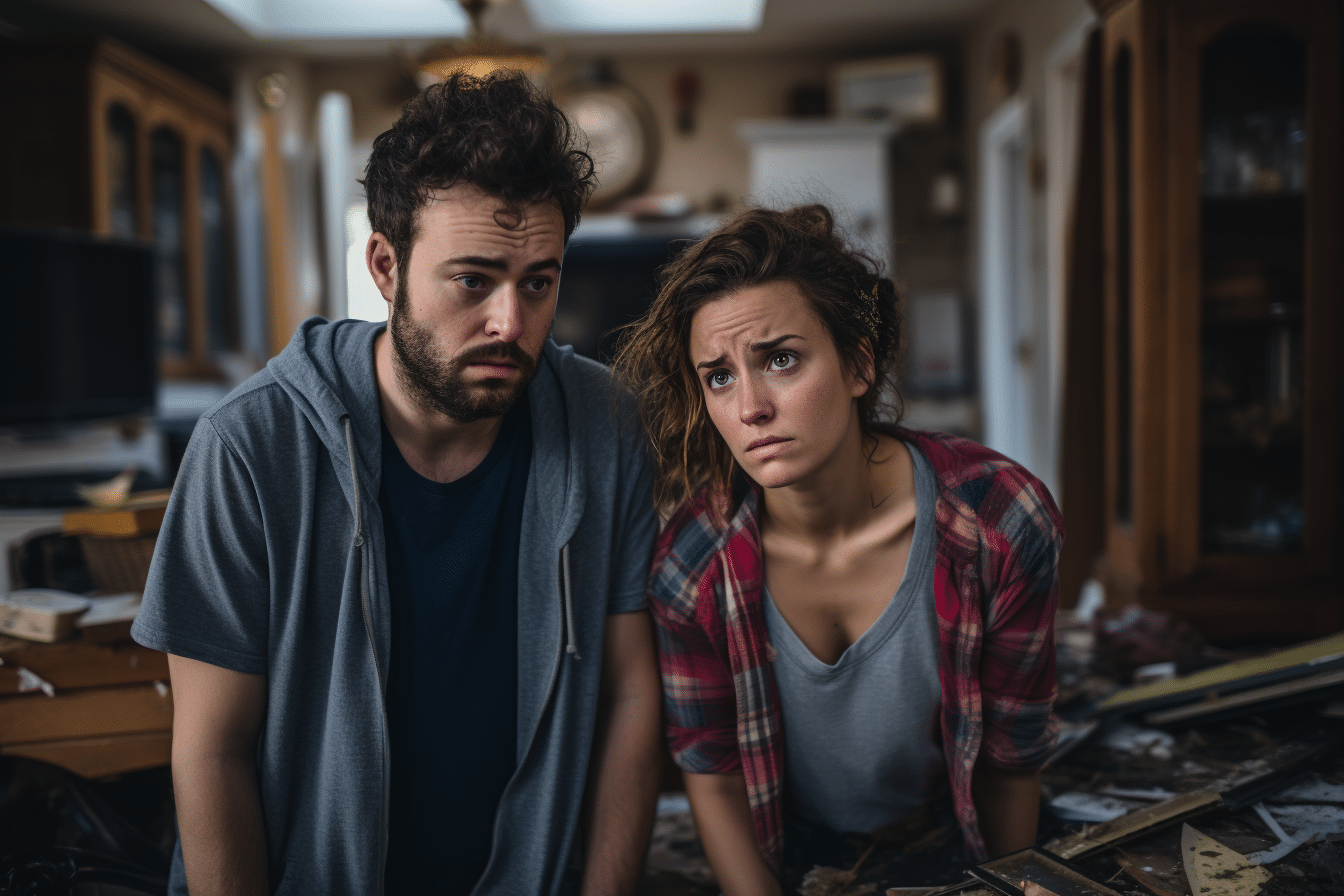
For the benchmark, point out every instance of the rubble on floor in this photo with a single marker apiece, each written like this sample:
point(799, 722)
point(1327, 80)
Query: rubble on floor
point(1244, 748)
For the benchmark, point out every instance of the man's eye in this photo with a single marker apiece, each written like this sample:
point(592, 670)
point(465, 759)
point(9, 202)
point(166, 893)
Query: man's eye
point(471, 281)
point(538, 284)
point(717, 379)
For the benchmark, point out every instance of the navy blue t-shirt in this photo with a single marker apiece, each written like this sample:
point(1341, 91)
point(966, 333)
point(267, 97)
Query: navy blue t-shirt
point(452, 567)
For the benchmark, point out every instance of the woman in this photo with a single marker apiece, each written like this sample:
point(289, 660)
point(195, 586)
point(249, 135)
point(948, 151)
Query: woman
point(854, 619)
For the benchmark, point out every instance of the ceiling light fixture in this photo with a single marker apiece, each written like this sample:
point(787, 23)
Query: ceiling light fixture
point(478, 55)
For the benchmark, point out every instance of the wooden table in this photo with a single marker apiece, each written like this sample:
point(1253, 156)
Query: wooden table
point(109, 710)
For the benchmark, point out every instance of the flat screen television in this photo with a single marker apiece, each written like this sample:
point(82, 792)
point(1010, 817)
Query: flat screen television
point(78, 340)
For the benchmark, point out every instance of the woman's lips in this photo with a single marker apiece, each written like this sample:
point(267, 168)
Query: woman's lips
point(765, 442)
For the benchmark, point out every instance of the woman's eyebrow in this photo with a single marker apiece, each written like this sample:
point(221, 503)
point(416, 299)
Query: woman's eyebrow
point(766, 346)
point(773, 343)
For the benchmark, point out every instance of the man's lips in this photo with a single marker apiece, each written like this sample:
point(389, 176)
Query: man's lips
point(768, 440)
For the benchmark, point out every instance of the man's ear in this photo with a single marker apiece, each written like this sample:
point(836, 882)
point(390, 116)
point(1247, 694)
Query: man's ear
point(381, 259)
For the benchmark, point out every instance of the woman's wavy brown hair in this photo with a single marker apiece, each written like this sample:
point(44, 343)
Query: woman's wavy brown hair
point(498, 132)
point(859, 308)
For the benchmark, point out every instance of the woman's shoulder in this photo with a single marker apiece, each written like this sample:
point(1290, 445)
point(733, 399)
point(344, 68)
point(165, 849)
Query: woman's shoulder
point(693, 537)
point(973, 473)
point(991, 497)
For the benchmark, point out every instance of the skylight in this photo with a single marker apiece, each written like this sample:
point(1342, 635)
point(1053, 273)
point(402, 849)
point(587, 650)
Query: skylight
point(287, 19)
point(290, 19)
point(645, 16)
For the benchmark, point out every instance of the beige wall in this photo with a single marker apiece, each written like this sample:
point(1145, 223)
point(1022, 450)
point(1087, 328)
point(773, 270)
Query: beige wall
point(708, 163)
point(712, 161)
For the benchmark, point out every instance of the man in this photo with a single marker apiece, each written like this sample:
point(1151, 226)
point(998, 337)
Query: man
point(401, 579)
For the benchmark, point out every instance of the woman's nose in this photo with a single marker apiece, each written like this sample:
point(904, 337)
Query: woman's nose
point(753, 403)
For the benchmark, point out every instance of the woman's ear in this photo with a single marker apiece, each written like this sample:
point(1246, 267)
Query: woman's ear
point(863, 369)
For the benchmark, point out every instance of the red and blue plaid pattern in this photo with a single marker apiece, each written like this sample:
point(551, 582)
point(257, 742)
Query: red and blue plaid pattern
point(996, 586)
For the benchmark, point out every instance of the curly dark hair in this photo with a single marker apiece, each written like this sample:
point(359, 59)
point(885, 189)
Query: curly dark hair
point(860, 309)
point(498, 133)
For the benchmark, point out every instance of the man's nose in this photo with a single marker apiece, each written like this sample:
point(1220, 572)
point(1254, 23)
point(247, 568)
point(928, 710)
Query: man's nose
point(504, 315)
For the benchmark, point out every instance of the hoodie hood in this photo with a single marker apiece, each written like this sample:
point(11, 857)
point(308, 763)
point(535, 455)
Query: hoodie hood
point(324, 370)
point(315, 371)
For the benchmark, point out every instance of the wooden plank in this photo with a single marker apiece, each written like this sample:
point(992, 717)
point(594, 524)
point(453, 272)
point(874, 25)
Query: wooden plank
point(1140, 821)
point(1214, 703)
point(80, 664)
point(1295, 662)
point(95, 712)
point(98, 757)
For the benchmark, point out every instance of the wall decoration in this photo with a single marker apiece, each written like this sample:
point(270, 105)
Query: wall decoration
point(900, 88)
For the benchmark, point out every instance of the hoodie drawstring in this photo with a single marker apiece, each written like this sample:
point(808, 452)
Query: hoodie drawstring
point(354, 479)
point(567, 601)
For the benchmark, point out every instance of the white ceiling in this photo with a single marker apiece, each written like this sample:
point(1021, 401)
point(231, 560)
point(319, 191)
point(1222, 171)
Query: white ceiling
point(344, 28)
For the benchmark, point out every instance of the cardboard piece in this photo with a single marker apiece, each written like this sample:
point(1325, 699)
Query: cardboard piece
point(1215, 870)
point(142, 514)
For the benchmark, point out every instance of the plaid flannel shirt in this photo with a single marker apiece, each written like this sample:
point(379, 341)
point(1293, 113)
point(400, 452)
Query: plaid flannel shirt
point(996, 585)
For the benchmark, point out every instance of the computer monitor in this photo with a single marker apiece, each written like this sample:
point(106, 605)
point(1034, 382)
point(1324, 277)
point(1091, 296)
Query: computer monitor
point(78, 340)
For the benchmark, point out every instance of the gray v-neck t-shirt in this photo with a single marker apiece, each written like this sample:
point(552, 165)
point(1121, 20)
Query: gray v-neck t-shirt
point(861, 743)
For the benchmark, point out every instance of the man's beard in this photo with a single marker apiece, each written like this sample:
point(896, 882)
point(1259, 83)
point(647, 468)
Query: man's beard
point(437, 386)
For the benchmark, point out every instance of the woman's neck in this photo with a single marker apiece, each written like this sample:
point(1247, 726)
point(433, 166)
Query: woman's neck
point(855, 487)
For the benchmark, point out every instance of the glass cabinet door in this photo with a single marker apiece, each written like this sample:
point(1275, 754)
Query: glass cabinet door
point(167, 189)
point(1253, 142)
point(122, 174)
point(214, 252)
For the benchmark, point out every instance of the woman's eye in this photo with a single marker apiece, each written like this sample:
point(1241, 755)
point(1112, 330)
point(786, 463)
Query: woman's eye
point(717, 379)
point(782, 360)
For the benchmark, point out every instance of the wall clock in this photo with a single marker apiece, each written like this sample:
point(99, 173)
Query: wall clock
point(622, 136)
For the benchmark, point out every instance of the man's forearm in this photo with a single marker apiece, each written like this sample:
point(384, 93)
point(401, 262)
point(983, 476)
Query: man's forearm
point(626, 772)
point(220, 824)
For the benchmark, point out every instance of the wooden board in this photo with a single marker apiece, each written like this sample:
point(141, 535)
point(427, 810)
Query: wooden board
point(1297, 662)
point(79, 664)
point(1181, 806)
point(93, 712)
point(98, 757)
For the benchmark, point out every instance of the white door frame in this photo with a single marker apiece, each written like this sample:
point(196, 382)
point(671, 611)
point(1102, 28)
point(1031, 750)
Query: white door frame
point(1007, 336)
point(1063, 124)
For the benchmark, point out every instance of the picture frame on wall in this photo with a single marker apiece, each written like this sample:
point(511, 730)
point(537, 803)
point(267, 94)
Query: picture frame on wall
point(907, 88)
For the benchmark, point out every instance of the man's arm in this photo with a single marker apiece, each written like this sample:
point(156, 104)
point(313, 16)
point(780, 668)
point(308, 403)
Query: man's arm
point(217, 714)
point(723, 817)
point(627, 758)
point(1007, 802)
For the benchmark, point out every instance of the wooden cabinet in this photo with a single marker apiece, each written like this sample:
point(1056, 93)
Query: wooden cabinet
point(99, 137)
point(1222, 159)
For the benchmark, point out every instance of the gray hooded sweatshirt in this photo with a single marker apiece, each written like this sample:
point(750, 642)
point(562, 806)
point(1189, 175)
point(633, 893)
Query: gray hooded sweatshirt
point(271, 561)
